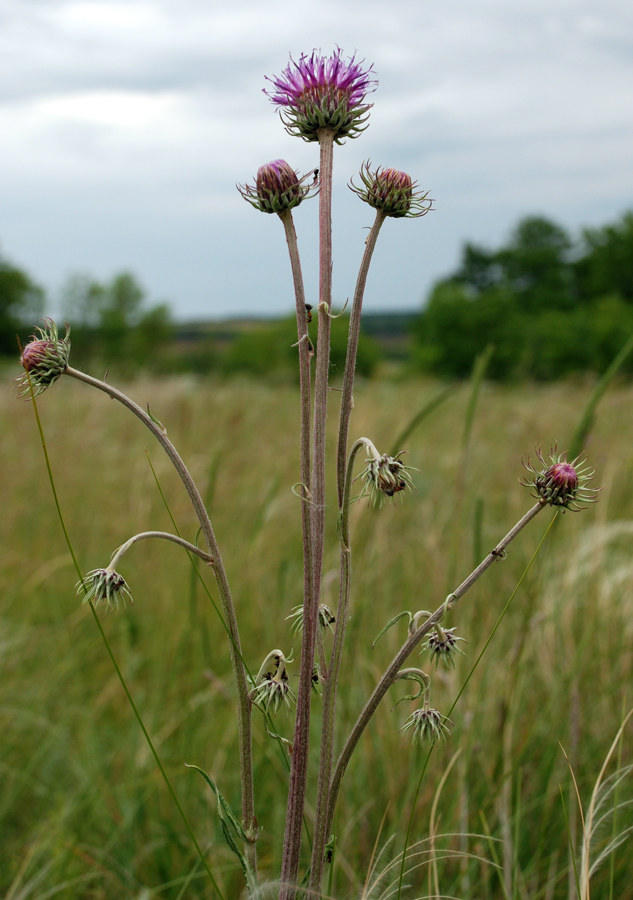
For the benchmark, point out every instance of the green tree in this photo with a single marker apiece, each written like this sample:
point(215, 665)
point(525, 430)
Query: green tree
point(605, 266)
point(21, 305)
point(110, 321)
point(547, 314)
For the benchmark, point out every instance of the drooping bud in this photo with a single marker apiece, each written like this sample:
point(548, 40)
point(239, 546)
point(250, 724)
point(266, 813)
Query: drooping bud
point(385, 476)
point(428, 725)
point(277, 188)
point(392, 192)
point(271, 690)
point(561, 483)
point(105, 586)
point(326, 618)
point(323, 92)
point(44, 359)
point(442, 645)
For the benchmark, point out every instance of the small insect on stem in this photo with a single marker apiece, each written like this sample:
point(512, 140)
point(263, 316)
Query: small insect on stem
point(309, 309)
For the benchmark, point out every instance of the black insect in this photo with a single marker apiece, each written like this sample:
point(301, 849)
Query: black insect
point(309, 310)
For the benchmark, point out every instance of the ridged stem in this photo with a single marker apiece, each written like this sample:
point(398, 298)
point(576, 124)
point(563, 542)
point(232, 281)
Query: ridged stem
point(347, 401)
point(301, 742)
point(405, 651)
point(305, 355)
point(244, 702)
point(329, 689)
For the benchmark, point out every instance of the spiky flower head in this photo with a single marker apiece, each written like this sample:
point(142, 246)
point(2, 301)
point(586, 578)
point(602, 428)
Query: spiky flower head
point(561, 483)
point(442, 645)
point(326, 617)
point(428, 725)
point(385, 476)
point(391, 192)
point(271, 690)
point(323, 92)
point(44, 358)
point(278, 188)
point(105, 586)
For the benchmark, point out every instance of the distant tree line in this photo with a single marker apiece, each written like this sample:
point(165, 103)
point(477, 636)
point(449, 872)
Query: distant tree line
point(112, 324)
point(549, 307)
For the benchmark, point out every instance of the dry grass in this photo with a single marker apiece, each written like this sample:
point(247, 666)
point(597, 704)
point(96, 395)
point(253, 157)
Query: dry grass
point(82, 808)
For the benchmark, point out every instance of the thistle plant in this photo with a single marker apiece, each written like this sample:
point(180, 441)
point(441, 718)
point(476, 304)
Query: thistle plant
point(321, 99)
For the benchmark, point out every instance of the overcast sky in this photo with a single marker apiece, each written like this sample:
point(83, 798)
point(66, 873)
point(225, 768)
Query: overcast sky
point(125, 124)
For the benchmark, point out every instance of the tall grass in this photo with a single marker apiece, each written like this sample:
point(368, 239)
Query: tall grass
point(83, 811)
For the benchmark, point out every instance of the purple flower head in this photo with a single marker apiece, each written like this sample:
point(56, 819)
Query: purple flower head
point(392, 192)
point(561, 483)
point(44, 359)
point(323, 92)
point(277, 187)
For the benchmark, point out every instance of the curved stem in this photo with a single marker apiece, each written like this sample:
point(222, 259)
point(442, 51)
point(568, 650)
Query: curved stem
point(405, 651)
point(244, 702)
point(347, 401)
point(329, 689)
point(144, 535)
point(299, 766)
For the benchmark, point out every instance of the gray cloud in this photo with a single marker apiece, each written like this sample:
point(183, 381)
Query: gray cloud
point(126, 125)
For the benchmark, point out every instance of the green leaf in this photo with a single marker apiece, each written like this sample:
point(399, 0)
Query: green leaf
point(228, 821)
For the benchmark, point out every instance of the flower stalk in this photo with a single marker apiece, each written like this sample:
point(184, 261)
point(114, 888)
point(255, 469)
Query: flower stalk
point(347, 401)
point(299, 765)
point(391, 673)
point(239, 673)
point(329, 690)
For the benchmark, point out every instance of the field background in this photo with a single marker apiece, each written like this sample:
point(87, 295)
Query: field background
point(83, 810)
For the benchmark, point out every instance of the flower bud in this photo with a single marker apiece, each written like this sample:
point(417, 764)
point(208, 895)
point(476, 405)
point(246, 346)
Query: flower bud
point(105, 586)
point(44, 359)
point(428, 725)
point(442, 645)
point(392, 193)
point(385, 476)
point(561, 483)
point(326, 618)
point(277, 188)
point(271, 690)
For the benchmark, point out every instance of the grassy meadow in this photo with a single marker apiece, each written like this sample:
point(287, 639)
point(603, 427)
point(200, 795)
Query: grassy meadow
point(84, 812)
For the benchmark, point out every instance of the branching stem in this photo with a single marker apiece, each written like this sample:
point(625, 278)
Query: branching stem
point(329, 689)
point(347, 400)
point(244, 702)
point(299, 766)
point(405, 651)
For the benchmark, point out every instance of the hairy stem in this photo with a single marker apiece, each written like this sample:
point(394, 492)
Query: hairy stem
point(144, 535)
point(405, 651)
point(299, 766)
point(329, 689)
point(244, 702)
point(305, 355)
point(347, 401)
